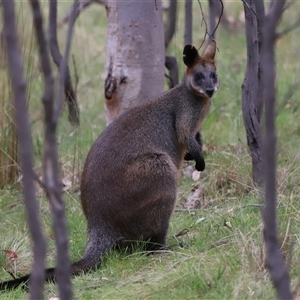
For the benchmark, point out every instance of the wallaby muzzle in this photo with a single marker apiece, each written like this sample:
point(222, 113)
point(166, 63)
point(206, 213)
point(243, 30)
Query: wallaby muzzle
point(209, 91)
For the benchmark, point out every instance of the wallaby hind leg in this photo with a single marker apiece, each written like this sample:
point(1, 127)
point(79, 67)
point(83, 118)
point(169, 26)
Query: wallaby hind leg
point(157, 242)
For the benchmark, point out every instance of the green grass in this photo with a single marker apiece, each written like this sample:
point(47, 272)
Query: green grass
point(222, 254)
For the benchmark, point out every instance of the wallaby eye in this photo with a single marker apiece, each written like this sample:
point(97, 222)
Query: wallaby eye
point(199, 77)
point(213, 76)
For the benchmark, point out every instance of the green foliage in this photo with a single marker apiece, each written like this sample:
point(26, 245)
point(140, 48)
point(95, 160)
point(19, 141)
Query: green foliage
point(222, 255)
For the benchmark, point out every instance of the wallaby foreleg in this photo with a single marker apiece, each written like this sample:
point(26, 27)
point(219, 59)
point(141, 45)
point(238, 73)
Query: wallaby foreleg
point(198, 157)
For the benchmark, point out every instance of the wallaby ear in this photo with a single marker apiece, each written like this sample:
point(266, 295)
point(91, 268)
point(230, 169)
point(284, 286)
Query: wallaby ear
point(190, 55)
point(210, 52)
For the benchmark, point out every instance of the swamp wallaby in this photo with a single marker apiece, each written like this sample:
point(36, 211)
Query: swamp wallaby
point(129, 180)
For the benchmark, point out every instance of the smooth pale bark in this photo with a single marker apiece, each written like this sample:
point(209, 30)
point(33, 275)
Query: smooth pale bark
point(135, 55)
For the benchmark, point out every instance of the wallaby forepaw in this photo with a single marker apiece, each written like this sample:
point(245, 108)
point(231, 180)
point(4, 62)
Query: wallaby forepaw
point(200, 165)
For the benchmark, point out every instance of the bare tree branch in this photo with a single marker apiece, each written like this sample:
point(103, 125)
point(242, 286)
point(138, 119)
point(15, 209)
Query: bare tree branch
point(288, 95)
point(211, 21)
point(58, 59)
point(288, 29)
point(203, 21)
point(288, 5)
point(79, 8)
point(52, 178)
point(26, 150)
point(275, 263)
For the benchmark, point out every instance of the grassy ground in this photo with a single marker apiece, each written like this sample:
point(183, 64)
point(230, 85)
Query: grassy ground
point(222, 255)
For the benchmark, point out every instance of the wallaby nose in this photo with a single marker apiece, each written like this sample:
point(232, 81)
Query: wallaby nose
point(209, 91)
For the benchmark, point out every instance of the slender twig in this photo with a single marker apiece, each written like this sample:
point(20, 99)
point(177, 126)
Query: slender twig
point(206, 33)
point(253, 204)
point(288, 95)
point(288, 29)
point(203, 21)
point(216, 244)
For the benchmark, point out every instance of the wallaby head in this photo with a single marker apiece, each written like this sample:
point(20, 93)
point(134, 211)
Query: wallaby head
point(201, 77)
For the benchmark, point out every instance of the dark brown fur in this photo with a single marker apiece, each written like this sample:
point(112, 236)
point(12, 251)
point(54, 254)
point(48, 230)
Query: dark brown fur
point(129, 180)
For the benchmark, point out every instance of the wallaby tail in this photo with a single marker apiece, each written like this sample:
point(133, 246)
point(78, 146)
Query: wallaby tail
point(98, 245)
point(100, 242)
point(13, 284)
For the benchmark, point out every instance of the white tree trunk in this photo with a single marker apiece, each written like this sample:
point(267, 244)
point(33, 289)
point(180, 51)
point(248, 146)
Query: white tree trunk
point(135, 55)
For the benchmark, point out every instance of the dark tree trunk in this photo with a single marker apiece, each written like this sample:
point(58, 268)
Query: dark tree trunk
point(171, 22)
point(26, 150)
point(275, 263)
point(251, 92)
point(188, 22)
